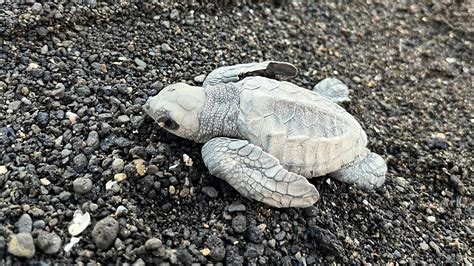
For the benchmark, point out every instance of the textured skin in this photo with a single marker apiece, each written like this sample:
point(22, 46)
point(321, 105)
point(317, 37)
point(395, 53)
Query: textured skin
point(222, 109)
point(310, 135)
point(257, 174)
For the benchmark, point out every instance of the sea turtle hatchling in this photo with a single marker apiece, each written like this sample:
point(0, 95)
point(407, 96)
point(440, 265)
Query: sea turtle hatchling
point(265, 137)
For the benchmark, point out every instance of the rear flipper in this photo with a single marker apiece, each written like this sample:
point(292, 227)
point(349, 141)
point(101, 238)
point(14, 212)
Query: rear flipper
point(332, 89)
point(367, 171)
point(269, 69)
point(257, 174)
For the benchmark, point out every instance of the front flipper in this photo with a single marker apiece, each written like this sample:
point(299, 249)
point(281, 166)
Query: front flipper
point(257, 174)
point(269, 69)
point(366, 171)
point(332, 89)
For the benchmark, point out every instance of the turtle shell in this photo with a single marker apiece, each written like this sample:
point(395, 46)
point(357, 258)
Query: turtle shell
point(309, 134)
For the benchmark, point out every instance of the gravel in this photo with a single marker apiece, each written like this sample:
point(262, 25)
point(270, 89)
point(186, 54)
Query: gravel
point(104, 233)
point(73, 78)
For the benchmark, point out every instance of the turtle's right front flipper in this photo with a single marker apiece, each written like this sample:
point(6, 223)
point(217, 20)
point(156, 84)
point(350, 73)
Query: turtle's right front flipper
point(257, 174)
point(269, 69)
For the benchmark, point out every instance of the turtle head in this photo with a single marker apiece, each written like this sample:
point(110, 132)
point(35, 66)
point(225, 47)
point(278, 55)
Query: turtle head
point(177, 108)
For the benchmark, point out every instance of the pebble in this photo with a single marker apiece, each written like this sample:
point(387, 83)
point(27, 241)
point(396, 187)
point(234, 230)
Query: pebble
point(165, 47)
point(80, 162)
point(272, 243)
point(82, 185)
point(236, 207)
point(200, 78)
point(39, 224)
point(22, 245)
point(24, 224)
point(117, 165)
point(44, 49)
point(123, 119)
point(457, 184)
point(217, 248)
point(184, 257)
point(174, 15)
point(37, 8)
point(239, 223)
point(83, 91)
point(15, 105)
point(49, 243)
point(140, 62)
point(45, 182)
point(93, 139)
point(153, 244)
point(42, 118)
point(424, 246)
point(210, 191)
point(431, 219)
point(254, 233)
point(104, 233)
point(120, 177)
point(65, 196)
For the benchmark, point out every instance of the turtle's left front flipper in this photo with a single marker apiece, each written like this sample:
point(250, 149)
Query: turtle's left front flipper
point(257, 174)
point(269, 69)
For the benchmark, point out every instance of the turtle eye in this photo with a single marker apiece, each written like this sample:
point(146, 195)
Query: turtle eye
point(168, 123)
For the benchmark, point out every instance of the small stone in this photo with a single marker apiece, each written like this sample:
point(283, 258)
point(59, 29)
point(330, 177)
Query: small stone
point(424, 246)
point(400, 181)
point(44, 182)
point(254, 233)
point(457, 184)
point(44, 49)
point(15, 105)
point(210, 191)
point(105, 232)
point(120, 177)
point(272, 243)
point(200, 78)
point(174, 15)
point(165, 23)
point(140, 62)
point(37, 8)
point(80, 162)
point(83, 91)
point(236, 207)
point(42, 118)
point(65, 196)
point(39, 224)
point(397, 254)
point(165, 47)
point(205, 251)
point(239, 223)
point(24, 224)
point(49, 243)
point(172, 190)
point(123, 119)
point(72, 117)
point(22, 245)
point(117, 165)
point(356, 79)
point(93, 139)
point(82, 185)
point(438, 141)
point(431, 219)
point(435, 247)
point(451, 60)
point(153, 244)
point(3, 169)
